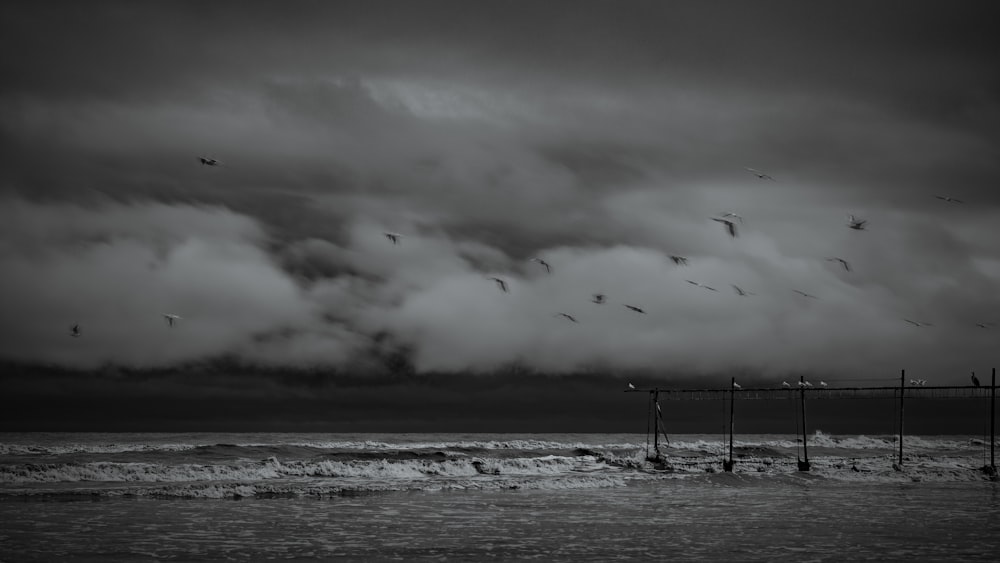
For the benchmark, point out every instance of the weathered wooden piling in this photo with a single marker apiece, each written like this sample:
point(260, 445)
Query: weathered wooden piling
point(803, 463)
point(728, 465)
point(902, 390)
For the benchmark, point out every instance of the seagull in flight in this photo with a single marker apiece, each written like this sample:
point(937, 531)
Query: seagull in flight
point(844, 263)
point(949, 199)
point(502, 284)
point(679, 260)
point(205, 161)
point(733, 215)
point(598, 298)
point(74, 331)
point(804, 294)
point(394, 237)
point(759, 174)
point(636, 309)
point(548, 268)
point(975, 380)
point(741, 292)
point(570, 317)
point(856, 224)
point(786, 385)
point(917, 323)
point(171, 318)
point(730, 226)
point(985, 325)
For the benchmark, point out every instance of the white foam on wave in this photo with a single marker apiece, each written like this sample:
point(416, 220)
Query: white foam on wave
point(272, 468)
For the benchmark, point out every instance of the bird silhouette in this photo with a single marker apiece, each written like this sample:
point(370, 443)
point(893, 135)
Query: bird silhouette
point(843, 262)
point(804, 294)
point(501, 284)
point(822, 384)
point(679, 260)
point(785, 385)
point(740, 291)
point(75, 331)
point(856, 224)
point(949, 199)
point(205, 161)
point(598, 298)
point(630, 386)
point(570, 317)
point(733, 215)
point(171, 318)
point(394, 237)
point(636, 309)
point(548, 268)
point(730, 226)
point(737, 386)
point(760, 175)
point(975, 380)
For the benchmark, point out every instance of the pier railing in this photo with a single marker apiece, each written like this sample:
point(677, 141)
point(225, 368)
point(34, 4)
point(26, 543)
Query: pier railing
point(804, 391)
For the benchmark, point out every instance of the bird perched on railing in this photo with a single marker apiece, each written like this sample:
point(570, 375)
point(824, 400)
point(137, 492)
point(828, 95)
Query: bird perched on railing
point(975, 380)
point(786, 385)
point(737, 385)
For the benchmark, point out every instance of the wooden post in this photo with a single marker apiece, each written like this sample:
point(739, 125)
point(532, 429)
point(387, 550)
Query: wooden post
point(804, 464)
point(902, 391)
point(728, 465)
point(656, 422)
point(993, 414)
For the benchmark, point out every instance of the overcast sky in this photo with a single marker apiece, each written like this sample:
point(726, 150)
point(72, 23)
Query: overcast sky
point(598, 136)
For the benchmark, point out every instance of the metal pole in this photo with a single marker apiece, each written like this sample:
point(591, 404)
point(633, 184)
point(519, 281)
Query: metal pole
point(993, 414)
point(804, 464)
point(728, 466)
point(656, 422)
point(902, 390)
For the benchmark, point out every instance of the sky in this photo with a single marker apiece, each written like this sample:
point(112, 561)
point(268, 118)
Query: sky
point(599, 137)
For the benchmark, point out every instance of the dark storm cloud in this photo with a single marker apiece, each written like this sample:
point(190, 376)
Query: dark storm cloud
point(599, 137)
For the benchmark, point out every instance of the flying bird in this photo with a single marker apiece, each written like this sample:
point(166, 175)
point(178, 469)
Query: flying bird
point(709, 288)
point(985, 325)
point(548, 268)
point(949, 199)
point(759, 174)
point(917, 323)
point(786, 385)
point(394, 237)
point(856, 224)
point(570, 317)
point(843, 262)
point(74, 331)
point(730, 226)
point(975, 380)
point(693, 282)
point(208, 161)
point(733, 215)
point(740, 291)
point(171, 318)
point(502, 284)
point(636, 309)
point(598, 298)
point(804, 294)
point(679, 260)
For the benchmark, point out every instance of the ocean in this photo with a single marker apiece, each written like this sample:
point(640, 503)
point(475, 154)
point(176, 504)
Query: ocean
point(565, 497)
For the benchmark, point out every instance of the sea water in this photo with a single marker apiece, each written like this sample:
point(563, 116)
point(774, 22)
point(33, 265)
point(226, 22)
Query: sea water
point(145, 497)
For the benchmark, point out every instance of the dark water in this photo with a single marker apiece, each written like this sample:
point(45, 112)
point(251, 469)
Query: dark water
point(137, 497)
point(710, 518)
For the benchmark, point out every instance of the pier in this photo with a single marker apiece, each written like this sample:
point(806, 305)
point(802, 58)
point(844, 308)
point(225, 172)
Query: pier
point(805, 392)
